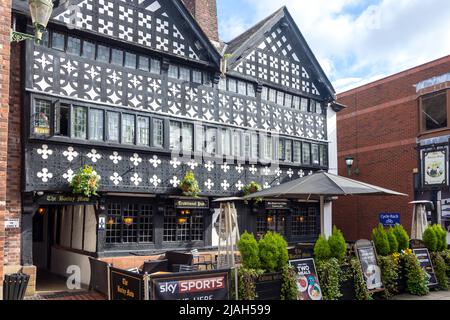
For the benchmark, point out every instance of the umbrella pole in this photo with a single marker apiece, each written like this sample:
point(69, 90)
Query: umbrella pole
point(322, 216)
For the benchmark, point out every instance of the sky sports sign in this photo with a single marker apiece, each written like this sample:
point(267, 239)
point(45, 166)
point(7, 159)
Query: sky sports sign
point(204, 285)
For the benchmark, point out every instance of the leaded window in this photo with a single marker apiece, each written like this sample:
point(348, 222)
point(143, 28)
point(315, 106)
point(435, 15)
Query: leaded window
point(158, 133)
point(73, 45)
point(96, 124)
point(58, 41)
point(128, 128)
point(297, 152)
point(323, 155)
point(305, 222)
point(130, 60)
point(79, 122)
point(226, 141)
point(88, 50)
point(103, 53)
point(211, 141)
point(183, 225)
point(41, 117)
point(117, 57)
point(175, 135)
point(188, 137)
point(315, 154)
point(306, 153)
point(143, 131)
point(113, 120)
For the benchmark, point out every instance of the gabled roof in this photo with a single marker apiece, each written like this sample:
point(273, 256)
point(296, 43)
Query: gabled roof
point(252, 37)
point(62, 5)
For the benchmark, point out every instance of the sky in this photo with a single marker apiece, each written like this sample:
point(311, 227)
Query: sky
point(355, 41)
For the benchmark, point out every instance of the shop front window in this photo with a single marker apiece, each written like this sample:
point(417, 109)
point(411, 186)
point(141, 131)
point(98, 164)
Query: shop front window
point(434, 111)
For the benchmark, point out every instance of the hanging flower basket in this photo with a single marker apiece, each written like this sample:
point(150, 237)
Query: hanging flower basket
point(250, 188)
point(189, 185)
point(85, 182)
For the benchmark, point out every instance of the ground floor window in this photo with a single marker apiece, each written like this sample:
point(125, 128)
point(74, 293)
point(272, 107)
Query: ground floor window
point(305, 222)
point(273, 220)
point(183, 225)
point(129, 223)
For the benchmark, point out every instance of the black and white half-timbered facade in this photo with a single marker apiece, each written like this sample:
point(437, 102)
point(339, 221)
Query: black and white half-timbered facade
point(137, 90)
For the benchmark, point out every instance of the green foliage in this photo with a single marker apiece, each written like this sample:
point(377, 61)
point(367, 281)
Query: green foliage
point(430, 239)
point(416, 278)
point(246, 283)
point(273, 253)
point(381, 241)
point(440, 268)
point(393, 243)
point(441, 235)
point(189, 185)
point(446, 256)
point(389, 273)
point(329, 273)
point(85, 182)
point(289, 289)
point(402, 237)
point(250, 188)
point(322, 249)
point(336, 242)
point(358, 279)
point(248, 247)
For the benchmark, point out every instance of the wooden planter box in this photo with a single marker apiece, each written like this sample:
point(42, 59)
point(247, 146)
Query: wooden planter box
point(268, 286)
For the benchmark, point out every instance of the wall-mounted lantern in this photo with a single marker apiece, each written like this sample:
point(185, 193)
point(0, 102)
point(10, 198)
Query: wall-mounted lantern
point(40, 11)
point(349, 161)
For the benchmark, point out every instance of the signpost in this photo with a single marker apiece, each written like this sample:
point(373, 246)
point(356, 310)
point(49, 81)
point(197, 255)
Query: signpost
point(367, 256)
point(423, 256)
point(203, 285)
point(307, 280)
point(389, 219)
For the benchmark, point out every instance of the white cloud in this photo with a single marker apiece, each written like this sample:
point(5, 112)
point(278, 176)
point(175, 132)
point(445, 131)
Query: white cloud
point(384, 38)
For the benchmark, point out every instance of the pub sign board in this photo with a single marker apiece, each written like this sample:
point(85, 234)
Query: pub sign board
point(307, 280)
point(202, 285)
point(434, 168)
point(276, 205)
point(423, 256)
point(61, 199)
point(370, 269)
point(126, 285)
point(192, 204)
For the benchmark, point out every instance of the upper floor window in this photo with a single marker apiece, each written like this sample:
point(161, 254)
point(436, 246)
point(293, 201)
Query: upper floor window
point(237, 86)
point(187, 74)
point(291, 101)
point(434, 111)
point(181, 136)
point(41, 117)
point(79, 123)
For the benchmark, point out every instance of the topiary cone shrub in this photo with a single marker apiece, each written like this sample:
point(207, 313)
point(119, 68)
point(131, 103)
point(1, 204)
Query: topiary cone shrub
point(430, 239)
point(248, 247)
point(381, 240)
point(337, 244)
point(402, 237)
point(393, 243)
point(273, 253)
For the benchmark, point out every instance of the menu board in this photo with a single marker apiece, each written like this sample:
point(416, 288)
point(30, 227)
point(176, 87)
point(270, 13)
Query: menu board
point(307, 280)
point(371, 271)
point(203, 285)
point(126, 285)
point(423, 256)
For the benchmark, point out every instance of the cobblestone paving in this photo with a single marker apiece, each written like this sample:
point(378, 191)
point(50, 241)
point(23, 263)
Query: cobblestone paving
point(434, 295)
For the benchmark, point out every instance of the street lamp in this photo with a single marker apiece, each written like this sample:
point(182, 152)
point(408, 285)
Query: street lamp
point(349, 161)
point(40, 11)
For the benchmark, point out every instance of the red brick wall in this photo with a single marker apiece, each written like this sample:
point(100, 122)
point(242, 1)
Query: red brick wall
point(205, 12)
point(5, 23)
point(13, 192)
point(379, 129)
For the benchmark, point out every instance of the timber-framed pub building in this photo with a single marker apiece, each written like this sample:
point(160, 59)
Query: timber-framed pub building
point(144, 92)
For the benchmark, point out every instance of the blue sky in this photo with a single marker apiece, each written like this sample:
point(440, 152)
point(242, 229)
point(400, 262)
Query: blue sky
point(356, 41)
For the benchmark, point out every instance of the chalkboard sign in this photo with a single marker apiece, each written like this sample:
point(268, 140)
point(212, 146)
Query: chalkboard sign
point(307, 280)
point(370, 269)
point(423, 256)
point(202, 285)
point(125, 285)
point(268, 286)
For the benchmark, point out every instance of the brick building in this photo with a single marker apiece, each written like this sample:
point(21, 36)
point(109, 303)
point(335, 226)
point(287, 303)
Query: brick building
point(131, 85)
point(383, 128)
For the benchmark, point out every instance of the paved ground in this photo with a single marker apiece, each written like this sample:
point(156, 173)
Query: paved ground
point(80, 295)
point(434, 295)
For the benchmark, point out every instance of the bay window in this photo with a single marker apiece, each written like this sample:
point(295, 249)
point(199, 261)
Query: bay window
point(211, 141)
point(79, 123)
point(175, 135)
point(96, 124)
point(143, 131)
point(158, 133)
point(188, 137)
point(306, 153)
point(41, 117)
point(128, 128)
point(113, 121)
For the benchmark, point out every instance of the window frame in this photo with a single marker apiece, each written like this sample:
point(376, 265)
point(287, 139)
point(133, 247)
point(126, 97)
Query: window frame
point(422, 119)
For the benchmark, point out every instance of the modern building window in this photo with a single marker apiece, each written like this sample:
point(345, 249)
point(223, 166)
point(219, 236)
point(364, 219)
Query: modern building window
point(130, 60)
point(73, 45)
point(79, 122)
point(306, 153)
point(96, 124)
point(143, 131)
point(41, 117)
point(188, 137)
point(128, 128)
point(58, 41)
point(62, 120)
point(175, 135)
point(88, 50)
point(297, 152)
point(158, 133)
point(103, 53)
point(434, 111)
point(113, 120)
point(129, 223)
point(211, 141)
point(117, 57)
point(315, 154)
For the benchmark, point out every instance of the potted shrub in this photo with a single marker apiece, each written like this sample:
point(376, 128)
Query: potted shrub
point(435, 239)
point(85, 182)
point(402, 238)
point(189, 185)
point(328, 270)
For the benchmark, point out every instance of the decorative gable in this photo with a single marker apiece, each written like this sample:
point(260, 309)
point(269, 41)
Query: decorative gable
point(278, 60)
point(156, 24)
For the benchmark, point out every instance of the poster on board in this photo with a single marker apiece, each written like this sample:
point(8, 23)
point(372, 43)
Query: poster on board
point(435, 167)
point(126, 285)
point(423, 256)
point(370, 269)
point(307, 280)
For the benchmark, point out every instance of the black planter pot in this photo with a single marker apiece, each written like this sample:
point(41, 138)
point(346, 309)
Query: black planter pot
point(348, 286)
point(268, 286)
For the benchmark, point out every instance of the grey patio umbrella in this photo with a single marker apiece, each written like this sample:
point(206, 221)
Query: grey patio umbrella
point(321, 185)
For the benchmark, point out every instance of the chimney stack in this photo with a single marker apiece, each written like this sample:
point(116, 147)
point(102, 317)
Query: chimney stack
point(205, 12)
